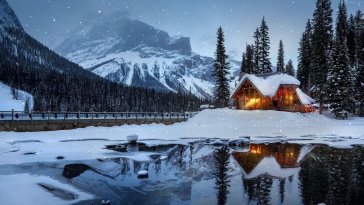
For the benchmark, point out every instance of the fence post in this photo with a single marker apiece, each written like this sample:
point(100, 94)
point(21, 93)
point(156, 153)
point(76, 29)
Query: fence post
point(64, 116)
point(49, 115)
point(92, 116)
point(12, 116)
point(105, 116)
point(79, 116)
point(116, 116)
point(31, 116)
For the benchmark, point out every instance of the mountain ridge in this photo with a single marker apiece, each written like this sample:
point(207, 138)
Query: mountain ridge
point(134, 53)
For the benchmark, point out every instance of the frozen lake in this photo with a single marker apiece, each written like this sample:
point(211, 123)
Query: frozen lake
point(200, 171)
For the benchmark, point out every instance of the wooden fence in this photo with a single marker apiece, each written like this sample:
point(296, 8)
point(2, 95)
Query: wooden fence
point(51, 120)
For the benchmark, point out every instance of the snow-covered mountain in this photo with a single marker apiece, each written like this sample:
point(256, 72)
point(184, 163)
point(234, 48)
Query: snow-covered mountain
point(129, 51)
point(8, 18)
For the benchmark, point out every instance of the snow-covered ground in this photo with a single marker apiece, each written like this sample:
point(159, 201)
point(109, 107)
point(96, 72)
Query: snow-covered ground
point(7, 101)
point(89, 143)
point(261, 126)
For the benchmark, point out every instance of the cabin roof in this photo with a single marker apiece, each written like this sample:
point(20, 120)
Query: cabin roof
point(267, 84)
point(305, 99)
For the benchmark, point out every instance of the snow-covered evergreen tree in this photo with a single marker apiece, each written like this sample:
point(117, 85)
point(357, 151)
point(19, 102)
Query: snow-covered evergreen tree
point(280, 59)
point(221, 71)
point(289, 68)
point(27, 105)
point(304, 59)
point(243, 66)
point(351, 41)
point(249, 61)
point(359, 27)
point(340, 77)
point(265, 65)
point(321, 48)
point(256, 49)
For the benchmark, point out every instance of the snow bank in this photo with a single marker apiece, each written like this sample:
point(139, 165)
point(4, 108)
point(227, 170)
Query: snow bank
point(7, 101)
point(23, 188)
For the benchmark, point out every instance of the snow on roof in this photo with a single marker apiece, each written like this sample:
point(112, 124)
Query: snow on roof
point(274, 169)
point(267, 84)
point(305, 99)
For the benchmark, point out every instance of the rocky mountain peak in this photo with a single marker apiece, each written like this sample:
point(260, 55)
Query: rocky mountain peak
point(124, 33)
point(8, 19)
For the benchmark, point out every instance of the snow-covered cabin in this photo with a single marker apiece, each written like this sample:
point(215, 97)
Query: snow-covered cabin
point(273, 91)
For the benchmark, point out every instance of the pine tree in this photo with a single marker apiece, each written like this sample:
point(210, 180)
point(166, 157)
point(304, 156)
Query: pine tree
point(359, 27)
point(340, 81)
point(280, 59)
point(321, 47)
point(27, 105)
point(256, 51)
point(289, 68)
point(304, 73)
point(243, 66)
point(249, 54)
point(221, 65)
point(351, 41)
point(263, 51)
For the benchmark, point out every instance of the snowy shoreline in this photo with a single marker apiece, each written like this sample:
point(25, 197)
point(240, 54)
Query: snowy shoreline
point(260, 126)
point(24, 148)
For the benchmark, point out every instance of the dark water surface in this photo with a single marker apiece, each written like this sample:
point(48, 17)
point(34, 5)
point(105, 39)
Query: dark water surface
point(211, 173)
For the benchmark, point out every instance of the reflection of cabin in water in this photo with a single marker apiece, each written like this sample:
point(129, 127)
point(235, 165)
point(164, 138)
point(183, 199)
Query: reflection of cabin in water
point(274, 91)
point(278, 160)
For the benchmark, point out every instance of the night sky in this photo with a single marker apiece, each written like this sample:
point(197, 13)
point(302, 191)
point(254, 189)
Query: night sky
point(50, 21)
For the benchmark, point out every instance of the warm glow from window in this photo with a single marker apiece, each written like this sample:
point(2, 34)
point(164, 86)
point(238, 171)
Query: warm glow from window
point(253, 102)
point(255, 150)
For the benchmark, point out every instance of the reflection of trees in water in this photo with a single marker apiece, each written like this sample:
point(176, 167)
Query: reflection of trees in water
point(282, 182)
point(222, 159)
point(333, 176)
point(259, 189)
point(314, 182)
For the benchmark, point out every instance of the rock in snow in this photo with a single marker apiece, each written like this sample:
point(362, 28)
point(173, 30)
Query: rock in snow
point(163, 157)
point(142, 174)
point(132, 139)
